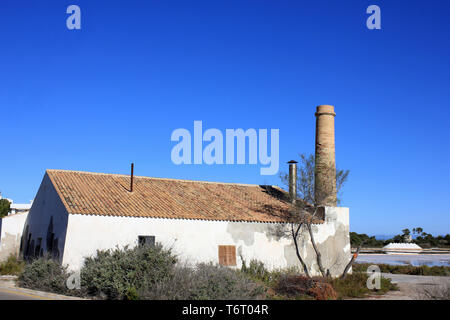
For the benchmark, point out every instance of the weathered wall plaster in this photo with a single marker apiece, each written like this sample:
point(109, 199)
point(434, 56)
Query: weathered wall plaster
point(198, 240)
point(11, 228)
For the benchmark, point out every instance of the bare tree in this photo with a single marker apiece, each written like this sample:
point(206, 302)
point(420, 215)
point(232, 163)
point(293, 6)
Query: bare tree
point(304, 211)
point(306, 179)
point(354, 256)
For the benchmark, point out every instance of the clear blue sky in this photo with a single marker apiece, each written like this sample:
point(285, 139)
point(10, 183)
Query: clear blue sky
point(111, 93)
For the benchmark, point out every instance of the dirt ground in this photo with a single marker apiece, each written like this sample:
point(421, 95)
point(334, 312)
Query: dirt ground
point(412, 287)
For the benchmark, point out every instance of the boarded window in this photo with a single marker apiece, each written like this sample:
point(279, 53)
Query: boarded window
point(146, 240)
point(227, 255)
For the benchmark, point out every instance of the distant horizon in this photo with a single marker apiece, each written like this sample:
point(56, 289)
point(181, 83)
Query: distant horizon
point(390, 236)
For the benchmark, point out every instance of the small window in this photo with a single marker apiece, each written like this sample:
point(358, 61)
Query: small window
point(146, 240)
point(227, 255)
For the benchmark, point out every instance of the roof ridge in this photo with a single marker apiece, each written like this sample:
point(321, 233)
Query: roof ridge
point(159, 178)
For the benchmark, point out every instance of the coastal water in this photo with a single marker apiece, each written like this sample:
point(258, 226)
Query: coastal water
point(412, 259)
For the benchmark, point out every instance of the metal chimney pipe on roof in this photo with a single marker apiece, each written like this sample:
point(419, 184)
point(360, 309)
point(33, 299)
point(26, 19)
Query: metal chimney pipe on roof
point(293, 180)
point(132, 177)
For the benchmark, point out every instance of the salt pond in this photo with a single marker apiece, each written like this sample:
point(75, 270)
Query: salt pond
point(413, 259)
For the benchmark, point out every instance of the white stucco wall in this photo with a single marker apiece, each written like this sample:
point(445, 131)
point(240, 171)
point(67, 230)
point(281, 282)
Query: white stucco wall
point(46, 207)
point(192, 240)
point(10, 235)
point(333, 241)
point(198, 240)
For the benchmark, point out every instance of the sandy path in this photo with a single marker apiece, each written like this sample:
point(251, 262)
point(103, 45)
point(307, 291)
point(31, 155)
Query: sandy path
point(410, 286)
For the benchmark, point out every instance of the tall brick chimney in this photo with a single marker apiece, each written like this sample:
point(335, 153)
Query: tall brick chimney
point(325, 171)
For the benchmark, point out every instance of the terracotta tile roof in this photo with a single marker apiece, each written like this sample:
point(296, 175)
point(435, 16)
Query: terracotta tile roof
point(108, 194)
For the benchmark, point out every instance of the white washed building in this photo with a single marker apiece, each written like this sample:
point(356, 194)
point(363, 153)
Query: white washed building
point(11, 228)
point(76, 213)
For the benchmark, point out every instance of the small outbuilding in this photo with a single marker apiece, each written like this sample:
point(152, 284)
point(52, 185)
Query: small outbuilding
point(11, 227)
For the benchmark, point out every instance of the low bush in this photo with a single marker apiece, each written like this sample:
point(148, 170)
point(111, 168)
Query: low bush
point(355, 286)
point(123, 273)
point(295, 286)
point(45, 275)
point(148, 272)
point(292, 284)
point(257, 271)
point(205, 282)
point(12, 266)
point(323, 291)
point(151, 272)
point(406, 269)
point(319, 288)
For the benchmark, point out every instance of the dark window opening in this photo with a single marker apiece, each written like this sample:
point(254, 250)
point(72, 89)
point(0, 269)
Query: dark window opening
point(146, 240)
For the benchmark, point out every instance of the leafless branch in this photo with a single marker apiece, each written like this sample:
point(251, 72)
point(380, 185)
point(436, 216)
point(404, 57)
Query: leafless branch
point(318, 255)
point(347, 267)
point(294, 237)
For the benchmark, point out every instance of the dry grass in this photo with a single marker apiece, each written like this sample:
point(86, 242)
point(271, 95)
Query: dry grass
point(294, 286)
point(12, 266)
point(355, 286)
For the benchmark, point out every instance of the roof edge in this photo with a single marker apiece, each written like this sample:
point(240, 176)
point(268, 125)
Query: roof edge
point(195, 219)
point(58, 192)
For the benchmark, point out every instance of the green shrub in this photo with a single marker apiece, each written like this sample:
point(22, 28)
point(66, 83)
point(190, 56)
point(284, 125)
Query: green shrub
point(355, 286)
point(12, 266)
point(142, 273)
point(45, 275)
point(4, 207)
point(221, 283)
point(204, 282)
point(131, 294)
point(121, 274)
point(257, 271)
